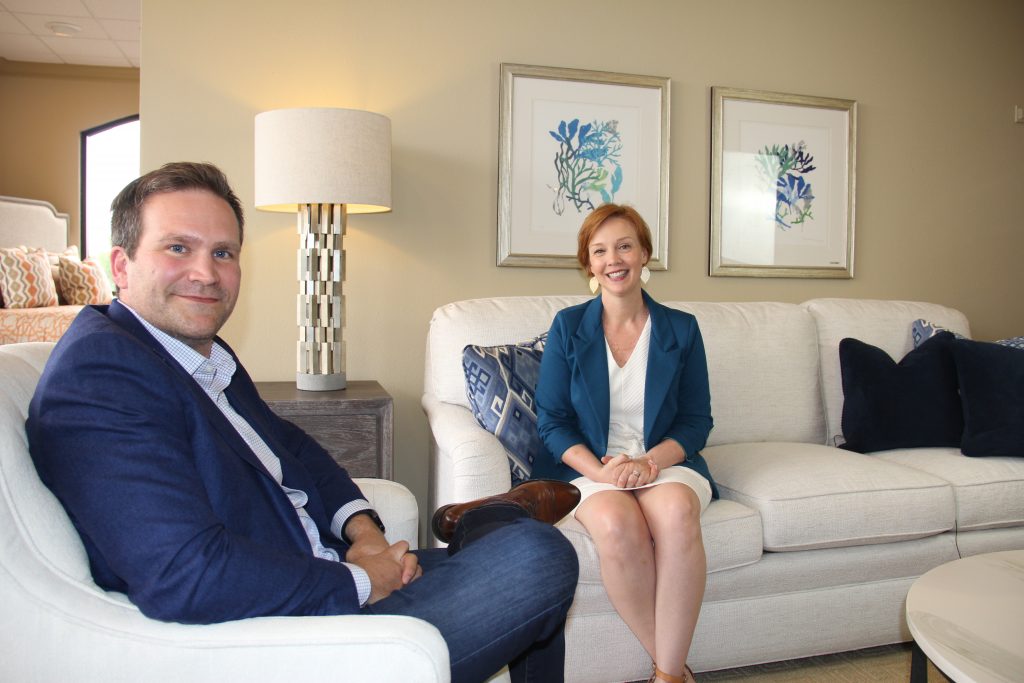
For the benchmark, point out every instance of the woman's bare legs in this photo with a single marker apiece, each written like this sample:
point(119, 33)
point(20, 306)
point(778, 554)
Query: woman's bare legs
point(619, 530)
point(672, 513)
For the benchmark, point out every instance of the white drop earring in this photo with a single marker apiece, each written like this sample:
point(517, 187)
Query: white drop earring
point(645, 274)
point(594, 285)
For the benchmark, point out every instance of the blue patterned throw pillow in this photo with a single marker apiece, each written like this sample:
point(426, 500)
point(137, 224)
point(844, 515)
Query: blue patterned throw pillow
point(500, 385)
point(922, 330)
point(1012, 342)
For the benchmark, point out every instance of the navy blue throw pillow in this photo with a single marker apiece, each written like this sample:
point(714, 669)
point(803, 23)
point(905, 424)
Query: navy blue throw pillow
point(910, 404)
point(992, 390)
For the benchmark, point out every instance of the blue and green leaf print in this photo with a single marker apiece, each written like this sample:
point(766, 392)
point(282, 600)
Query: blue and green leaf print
point(785, 168)
point(586, 164)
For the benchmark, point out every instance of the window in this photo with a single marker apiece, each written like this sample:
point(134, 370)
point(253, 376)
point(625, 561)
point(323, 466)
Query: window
point(110, 160)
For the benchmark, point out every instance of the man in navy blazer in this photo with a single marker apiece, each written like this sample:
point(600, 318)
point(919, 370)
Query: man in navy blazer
point(201, 505)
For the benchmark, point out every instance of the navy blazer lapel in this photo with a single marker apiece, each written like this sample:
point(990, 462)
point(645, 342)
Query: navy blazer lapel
point(663, 344)
point(127, 320)
point(592, 358)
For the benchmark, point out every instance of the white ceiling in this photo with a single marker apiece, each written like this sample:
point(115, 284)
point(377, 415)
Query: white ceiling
point(109, 34)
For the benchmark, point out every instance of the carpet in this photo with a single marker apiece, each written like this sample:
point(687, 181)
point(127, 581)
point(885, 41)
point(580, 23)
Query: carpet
point(885, 664)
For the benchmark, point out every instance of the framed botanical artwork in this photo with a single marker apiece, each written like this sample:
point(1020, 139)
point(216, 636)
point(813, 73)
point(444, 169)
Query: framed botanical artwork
point(569, 141)
point(783, 171)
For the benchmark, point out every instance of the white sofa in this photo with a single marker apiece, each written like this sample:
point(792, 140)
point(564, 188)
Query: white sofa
point(57, 625)
point(811, 548)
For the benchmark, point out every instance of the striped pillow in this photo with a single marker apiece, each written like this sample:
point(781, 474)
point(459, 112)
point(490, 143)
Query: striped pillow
point(83, 282)
point(26, 280)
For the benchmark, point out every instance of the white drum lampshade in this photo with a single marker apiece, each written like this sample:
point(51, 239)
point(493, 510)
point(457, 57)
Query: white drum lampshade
point(322, 164)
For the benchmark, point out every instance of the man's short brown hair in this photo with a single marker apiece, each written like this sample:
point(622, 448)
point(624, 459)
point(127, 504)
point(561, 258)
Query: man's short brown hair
point(126, 223)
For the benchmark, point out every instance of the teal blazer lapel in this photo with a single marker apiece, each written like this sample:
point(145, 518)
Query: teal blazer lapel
point(660, 369)
point(592, 358)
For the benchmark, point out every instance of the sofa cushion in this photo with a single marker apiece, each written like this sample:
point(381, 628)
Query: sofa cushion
point(989, 492)
point(732, 535)
point(992, 389)
point(814, 496)
point(900, 405)
point(501, 382)
point(763, 371)
point(885, 324)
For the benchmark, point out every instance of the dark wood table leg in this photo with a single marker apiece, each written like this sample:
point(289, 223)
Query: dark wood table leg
point(918, 664)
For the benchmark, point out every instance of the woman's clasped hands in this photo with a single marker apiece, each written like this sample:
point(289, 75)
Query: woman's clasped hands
point(627, 473)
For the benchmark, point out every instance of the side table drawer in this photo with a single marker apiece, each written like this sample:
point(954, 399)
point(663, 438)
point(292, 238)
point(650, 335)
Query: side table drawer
point(355, 425)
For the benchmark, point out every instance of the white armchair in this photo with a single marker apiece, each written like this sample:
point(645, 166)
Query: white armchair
point(57, 625)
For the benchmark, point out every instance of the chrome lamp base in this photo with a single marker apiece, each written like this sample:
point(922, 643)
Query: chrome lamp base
point(321, 304)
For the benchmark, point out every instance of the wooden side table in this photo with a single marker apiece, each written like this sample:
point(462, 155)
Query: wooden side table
point(355, 425)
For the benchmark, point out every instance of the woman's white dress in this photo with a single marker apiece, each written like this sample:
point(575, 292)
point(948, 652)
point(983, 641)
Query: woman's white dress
point(626, 423)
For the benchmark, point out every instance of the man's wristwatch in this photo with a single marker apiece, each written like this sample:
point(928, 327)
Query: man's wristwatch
point(369, 513)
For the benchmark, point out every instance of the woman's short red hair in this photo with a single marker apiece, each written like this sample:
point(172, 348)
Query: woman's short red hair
point(597, 218)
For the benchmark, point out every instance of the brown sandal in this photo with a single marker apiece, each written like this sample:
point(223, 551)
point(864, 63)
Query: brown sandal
point(669, 678)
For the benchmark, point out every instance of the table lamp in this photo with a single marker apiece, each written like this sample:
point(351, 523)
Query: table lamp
point(322, 164)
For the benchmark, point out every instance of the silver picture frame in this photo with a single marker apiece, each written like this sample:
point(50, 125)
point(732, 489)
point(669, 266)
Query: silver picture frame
point(783, 179)
point(570, 140)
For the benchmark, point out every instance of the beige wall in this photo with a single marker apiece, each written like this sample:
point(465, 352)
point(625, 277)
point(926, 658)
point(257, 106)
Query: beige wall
point(940, 184)
point(44, 109)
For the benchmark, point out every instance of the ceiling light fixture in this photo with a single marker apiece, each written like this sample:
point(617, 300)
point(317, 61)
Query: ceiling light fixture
point(63, 28)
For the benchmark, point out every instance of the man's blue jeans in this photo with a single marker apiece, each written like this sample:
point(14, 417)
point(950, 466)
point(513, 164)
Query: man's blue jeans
point(502, 599)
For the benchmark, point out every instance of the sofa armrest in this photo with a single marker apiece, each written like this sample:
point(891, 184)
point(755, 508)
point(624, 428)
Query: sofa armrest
point(396, 506)
point(467, 461)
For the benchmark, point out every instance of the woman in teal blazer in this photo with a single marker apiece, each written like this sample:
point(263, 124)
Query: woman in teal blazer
point(623, 408)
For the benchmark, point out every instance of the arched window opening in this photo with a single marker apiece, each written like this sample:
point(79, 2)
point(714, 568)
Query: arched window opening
point(110, 160)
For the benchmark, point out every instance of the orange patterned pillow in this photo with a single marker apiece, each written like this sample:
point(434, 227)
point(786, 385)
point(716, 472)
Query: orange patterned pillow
point(54, 259)
point(83, 282)
point(26, 280)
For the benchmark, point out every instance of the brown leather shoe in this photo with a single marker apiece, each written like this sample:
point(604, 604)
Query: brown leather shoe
point(542, 499)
